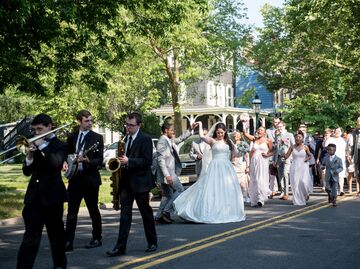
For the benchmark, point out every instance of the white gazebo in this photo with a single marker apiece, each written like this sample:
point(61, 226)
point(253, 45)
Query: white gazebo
point(211, 101)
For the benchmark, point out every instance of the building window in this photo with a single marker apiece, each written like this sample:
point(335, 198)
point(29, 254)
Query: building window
point(230, 97)
point(211, 94)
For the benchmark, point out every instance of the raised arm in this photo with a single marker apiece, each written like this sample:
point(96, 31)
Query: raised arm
point(249, 136)
point(207, 139)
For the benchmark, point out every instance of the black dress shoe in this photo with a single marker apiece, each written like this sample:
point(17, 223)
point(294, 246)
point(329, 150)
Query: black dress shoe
point(151, 248)
point(94, 243)
point(163, 220)
point(166, 218)
point(69, 246)
point(342, 193)
point(115, 252)
point(259, 204)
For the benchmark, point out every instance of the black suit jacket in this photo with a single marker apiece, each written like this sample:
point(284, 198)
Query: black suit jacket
point(46, 182)
point(90, 173)
point(138, 171)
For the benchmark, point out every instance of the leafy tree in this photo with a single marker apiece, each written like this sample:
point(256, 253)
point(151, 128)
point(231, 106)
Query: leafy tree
point(246, 98)
point(138, 84)
point(318, 112)
point(81, 54)
point(309, 45)
point(152, 125)
point(14, 106)
point(311, 49)
point(38, 37)
point(202, 44)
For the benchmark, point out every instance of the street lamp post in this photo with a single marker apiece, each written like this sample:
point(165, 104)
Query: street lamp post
point(256, 106)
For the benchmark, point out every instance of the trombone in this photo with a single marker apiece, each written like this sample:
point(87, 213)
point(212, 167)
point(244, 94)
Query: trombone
point(23, 143)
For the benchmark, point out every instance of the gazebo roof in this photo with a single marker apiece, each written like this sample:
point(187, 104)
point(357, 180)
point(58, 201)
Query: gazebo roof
point(167, 110)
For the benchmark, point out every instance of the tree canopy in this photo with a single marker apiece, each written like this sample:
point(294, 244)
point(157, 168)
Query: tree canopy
point(113, 56)
point(312, 50)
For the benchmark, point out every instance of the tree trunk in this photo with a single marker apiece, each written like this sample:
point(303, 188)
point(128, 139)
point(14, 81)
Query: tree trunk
point(173, 74)
point(172, 69)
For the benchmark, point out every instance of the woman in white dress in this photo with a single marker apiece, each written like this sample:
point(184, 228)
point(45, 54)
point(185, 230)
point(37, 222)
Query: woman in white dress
point(216, 196)
point(259, 190)
point(340, 143)
point(300, 178)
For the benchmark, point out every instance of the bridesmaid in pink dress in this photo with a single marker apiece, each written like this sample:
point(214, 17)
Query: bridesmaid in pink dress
point(300, 179)
point(259, 190)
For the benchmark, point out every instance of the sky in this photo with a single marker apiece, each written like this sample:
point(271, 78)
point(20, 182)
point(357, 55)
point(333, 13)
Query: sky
point(254, 7)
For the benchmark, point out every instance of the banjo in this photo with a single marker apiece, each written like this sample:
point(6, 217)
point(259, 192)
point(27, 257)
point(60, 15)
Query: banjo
point(73, 163)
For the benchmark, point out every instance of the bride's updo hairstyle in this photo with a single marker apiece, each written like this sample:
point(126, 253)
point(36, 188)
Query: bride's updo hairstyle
point(222, 126)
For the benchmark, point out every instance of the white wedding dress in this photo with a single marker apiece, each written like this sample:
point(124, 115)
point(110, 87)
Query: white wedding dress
point(216, 196)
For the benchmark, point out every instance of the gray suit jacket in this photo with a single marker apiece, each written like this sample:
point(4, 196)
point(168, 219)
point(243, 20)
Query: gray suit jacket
point(281, 144)
point(167, 165)
point(333, 168)
point(196, 149)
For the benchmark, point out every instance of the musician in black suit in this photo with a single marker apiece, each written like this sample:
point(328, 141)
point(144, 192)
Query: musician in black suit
point(45, 195)
point(85, 184)
point(135, 184)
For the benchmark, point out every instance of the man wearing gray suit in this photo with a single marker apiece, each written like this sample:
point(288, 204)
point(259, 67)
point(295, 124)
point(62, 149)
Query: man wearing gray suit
point(283, 141)
point(333, 166)
point(169, 169)
point(197, 151)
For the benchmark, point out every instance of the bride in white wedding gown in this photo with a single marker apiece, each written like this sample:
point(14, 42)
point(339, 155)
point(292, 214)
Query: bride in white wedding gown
point(216, 196)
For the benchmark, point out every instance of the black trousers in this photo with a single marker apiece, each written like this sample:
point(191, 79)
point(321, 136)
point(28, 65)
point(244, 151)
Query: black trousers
point(90, 194)
point(127, 197)
point(35, 217)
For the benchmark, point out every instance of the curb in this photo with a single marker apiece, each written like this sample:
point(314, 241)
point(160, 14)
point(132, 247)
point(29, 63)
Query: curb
point(82, 211)
point(11, 221)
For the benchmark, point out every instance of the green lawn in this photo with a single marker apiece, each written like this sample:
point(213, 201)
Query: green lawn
point(13, 185)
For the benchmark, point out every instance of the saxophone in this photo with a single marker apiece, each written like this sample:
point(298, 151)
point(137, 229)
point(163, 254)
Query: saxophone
point(114, 165)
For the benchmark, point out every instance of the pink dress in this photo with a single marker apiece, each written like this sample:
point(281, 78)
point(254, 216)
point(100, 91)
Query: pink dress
point(300, 179)
point(259, 175)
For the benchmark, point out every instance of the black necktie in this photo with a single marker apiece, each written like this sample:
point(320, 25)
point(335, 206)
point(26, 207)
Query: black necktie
point(128, 146)
point(80, 143)
point(176, 156)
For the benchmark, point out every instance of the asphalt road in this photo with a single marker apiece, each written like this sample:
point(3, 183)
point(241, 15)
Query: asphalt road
point(279, 235)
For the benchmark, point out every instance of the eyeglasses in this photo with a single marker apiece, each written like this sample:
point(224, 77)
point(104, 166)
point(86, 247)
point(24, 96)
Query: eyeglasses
point(127, 125)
